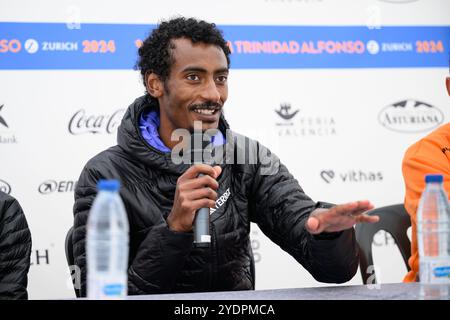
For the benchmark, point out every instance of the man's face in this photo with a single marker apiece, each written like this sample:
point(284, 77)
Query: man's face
point(196, 88)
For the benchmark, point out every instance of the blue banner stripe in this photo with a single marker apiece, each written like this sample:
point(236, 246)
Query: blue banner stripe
point(114, 46)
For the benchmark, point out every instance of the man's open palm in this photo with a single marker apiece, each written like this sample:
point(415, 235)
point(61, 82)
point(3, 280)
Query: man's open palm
point(340, 217)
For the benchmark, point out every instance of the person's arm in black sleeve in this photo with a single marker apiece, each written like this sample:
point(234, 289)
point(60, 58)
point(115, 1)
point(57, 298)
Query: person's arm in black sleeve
point(281, 208)
point(15, 249)
point(161, 256)
point(158, 259)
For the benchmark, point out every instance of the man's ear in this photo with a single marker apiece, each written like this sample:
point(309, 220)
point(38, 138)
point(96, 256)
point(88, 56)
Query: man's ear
point(155, 86)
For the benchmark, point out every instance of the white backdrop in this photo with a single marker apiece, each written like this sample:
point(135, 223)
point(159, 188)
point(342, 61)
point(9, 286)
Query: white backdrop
point(338, 145)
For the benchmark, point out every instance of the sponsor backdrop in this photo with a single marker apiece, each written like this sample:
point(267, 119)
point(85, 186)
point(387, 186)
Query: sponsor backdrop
point(338, 89)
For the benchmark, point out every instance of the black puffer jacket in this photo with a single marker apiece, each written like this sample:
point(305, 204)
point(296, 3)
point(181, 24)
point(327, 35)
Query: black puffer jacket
point(15, 249)
point(162, 261)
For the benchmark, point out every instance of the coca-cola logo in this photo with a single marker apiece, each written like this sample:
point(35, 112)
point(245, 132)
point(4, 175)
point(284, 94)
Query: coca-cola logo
point(5, 187)
point(81, 123)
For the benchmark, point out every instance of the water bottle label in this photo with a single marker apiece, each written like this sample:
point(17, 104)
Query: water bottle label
point(101, 286)
point(205, 238)
point(437, 271)
point(114, 289)
point(442, 272)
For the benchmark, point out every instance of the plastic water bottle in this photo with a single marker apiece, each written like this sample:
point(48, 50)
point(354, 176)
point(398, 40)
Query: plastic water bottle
point(433, 232)
point(107, 244)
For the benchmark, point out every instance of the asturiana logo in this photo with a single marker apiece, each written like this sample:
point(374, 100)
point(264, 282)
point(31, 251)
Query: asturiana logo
point(409, 116)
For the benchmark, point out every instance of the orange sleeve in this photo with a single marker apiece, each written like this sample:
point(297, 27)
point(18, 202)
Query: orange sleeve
point(423, 157)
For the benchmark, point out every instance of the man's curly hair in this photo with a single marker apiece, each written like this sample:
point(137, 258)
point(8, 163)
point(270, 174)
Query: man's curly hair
point(155, 54)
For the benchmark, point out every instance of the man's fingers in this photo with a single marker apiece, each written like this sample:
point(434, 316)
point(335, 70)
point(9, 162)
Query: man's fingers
point(201, 194)
point(313, 225)
point(201, 182)
point(364, 203)
point(366, 218)
point(196, 169)
point(353, 208)
point(340, 217)
point(345, 209)
point(202, 203)
point(218, 170)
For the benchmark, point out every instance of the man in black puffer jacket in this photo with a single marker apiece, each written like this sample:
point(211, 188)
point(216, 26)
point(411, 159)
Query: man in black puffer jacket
point(184, 64)
point(15, 249)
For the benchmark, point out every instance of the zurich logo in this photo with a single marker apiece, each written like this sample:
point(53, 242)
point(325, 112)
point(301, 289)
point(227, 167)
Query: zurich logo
point(31, 45)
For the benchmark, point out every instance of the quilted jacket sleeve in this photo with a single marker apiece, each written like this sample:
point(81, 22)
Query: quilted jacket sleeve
point(280, 208)
point(158, 259)
point(15, 249)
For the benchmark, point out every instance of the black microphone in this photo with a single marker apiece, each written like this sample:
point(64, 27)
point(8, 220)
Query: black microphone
point(200, 146)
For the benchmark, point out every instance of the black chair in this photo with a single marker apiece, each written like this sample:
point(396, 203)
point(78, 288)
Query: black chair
point(393, 219)
point(71, 261)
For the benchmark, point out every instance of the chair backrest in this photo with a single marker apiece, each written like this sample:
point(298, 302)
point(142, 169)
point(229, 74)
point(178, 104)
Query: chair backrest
point(71, 259)
point(393, 219)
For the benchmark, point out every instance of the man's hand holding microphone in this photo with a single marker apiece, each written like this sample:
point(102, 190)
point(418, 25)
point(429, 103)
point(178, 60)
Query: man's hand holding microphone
point(196, 189)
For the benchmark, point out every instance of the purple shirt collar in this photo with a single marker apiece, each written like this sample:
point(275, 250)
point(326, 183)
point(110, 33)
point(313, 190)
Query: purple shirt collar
point(149, 124)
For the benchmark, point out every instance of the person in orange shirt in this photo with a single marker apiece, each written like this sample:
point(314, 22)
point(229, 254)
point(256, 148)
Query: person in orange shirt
point(428, 155)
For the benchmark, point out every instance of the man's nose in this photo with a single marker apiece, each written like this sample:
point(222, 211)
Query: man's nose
point(210, 92)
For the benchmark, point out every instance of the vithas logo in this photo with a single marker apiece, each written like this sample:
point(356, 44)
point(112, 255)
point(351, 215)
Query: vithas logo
point(327, 175)
point(351, 176)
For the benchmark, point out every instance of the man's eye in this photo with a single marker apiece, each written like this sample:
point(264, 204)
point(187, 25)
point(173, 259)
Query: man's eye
point(193, 77)
point(222, 78)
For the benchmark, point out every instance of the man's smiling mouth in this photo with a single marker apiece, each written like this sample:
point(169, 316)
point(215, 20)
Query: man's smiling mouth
point(208, 112)
point(207, 109)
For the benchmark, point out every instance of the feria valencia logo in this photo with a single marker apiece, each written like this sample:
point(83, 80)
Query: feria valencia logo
point(410, 116)
point(5, 187)
point(82, 123)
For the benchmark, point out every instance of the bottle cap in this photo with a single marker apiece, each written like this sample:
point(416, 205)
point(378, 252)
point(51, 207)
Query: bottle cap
point(108, 185)
point(434, 178)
